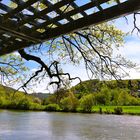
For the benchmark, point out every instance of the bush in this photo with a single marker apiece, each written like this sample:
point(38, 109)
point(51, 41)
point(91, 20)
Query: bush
point(35, 106)
point(100, 99)
point(69, 103)
point(52, 107)
point(124, 98)
point(86, 102)
point(107, 111)
point(118, 110)
point(37, 100)
point(4, 103)
point(134, 101)
point(23, 104)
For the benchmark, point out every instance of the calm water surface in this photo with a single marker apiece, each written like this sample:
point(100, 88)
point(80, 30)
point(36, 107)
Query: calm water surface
point(67, 126)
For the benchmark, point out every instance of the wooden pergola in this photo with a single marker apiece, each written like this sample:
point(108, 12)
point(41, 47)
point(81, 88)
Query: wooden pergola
point(29, 22)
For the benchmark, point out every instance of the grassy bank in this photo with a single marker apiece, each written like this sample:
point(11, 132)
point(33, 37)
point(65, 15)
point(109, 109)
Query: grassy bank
point(133, 110)
point(119, 110)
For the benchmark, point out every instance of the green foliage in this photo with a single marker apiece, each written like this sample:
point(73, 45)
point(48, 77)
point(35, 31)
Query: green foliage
point(124, 98)
point(134, 101)
point(51, 99)
point(12, 67)
point(108, 98)
point(125, 109)
point(56, 97)
point(118, 110)
point(100, 99)
point(86, 96)
point(103, 97)
point(24, 104)
point(52, 107)
point(86, 102)
point(87, 87)
point(10, 99)
point(69, 103)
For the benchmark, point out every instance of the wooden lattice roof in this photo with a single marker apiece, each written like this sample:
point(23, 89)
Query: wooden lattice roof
point(27, 22)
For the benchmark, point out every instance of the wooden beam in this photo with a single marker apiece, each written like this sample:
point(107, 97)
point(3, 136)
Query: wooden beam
point(69, 14)
point(114, 12)
point(18, 9)
point(58, 11)
point(45, 11)
point(19, 34)
point(17, 46)
point(34, 10)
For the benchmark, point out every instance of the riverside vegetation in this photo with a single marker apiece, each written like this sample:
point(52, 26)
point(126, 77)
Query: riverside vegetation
point(94, 96)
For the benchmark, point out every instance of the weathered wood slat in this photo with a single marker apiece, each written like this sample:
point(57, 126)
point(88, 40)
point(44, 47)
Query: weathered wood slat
point(70, 13)
point(58, 11)
point(35, 10)
point(18, 9)
point(22, 26)
point(123, 9)
point(19, 34)
point(45, 11)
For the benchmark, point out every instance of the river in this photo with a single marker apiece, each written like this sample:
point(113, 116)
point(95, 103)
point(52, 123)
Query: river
point(25, 125)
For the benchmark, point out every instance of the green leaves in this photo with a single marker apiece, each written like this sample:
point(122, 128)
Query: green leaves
point(11, 68)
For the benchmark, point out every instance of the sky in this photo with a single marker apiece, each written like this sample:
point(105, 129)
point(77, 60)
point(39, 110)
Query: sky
point(131, 50)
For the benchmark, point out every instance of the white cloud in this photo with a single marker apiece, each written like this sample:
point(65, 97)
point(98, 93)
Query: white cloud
point(34, 70)
point(16, 53)
point(127, 24)
point(131, 50)
point(133, 74)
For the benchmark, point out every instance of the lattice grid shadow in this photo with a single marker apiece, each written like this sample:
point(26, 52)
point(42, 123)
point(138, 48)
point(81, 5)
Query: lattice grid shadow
point(30, 22)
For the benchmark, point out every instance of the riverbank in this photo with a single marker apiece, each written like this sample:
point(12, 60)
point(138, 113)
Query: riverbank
point(120, 110)
point(103, 109)
point(132, 110)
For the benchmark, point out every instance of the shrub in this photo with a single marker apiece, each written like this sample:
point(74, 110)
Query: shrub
point(35, 106)
point(86, 102)
point(37, 100)
point(107, 111)
point(52, 107)
point(69, 103)
point(134, 101)
point(4, 103)
point(49, 100)
point(118, 110)
point(23, 104)
point(100, 99)
point(124, 98)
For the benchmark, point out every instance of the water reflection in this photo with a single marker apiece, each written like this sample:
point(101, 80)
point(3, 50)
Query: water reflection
point(67, 126)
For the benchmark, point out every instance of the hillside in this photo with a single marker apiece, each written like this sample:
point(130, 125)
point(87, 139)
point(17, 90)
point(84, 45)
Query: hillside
point(9, 99)
point(41, 95)
point(4, 89)
point(88, 96)
point(95, 85)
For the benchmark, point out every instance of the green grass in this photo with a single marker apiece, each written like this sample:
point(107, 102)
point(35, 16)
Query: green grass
point(131, 110)
point(134, 110)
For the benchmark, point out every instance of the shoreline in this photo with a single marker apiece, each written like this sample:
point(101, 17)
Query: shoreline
point(108, 110)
